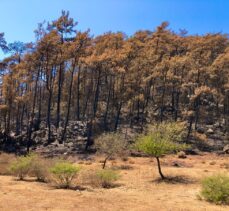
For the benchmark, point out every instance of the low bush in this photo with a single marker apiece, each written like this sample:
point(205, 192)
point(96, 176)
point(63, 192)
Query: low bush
point(64, 173)
point(111, 145)
point(216, 189)
point(107, 177)
point(40, 169)
point(22, 166)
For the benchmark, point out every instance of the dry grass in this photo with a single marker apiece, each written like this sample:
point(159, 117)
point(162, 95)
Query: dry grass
point(5, 161)
point(140, 189)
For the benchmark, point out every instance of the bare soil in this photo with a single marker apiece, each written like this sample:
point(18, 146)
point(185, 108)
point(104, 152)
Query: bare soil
point(139, 188)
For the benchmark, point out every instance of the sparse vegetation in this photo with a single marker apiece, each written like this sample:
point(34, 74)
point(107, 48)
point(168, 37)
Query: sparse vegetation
point(110, 144)
point(40, 169)
point(64, 173)
point(107, 177)
point(133, 182)
point(216, 189)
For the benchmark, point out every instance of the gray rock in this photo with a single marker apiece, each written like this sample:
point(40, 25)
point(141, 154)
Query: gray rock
point(210, 131)
point(200, 130)
point(182, 155)
point(226, 149)
point(192, 152)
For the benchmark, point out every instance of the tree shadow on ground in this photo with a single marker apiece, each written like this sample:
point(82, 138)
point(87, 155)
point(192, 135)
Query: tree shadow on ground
point(123, 167)
point(78, 188)
point(176, 180)
point(28, 179)
point(73, 188)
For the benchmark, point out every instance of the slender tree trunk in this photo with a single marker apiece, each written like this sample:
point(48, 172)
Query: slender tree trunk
point(117, 117)
point(18, 121)
point(189, 129)
point(90, 131)
point(8, 121)
point(107, 107)
point(78, 96)
point(22, 118)
point(31, 119)
point(59, 96)
point(138, 110)
point(159, 168)
point(60, 82)
point(105, 161)
point(176, 106)
point(69, 105)
point(87, 97)
point(39, 110)
point(197, 109)
point(96, 99)
point(49, 116)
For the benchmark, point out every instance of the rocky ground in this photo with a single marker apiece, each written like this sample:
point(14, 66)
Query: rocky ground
point(212, 137)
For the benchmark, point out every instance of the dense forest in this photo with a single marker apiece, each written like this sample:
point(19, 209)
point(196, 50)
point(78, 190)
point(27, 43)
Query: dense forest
point(112, 80)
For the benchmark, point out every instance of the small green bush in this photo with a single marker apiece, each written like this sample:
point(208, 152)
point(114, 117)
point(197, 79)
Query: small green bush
point(216, 189)
point(22, 166)
point(106, 177)
point(64, 173)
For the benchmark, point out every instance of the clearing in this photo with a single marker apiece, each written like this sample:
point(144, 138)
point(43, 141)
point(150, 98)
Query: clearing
point(138, 188)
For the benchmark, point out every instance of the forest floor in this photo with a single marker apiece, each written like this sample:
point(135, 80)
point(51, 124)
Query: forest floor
point(138, 188)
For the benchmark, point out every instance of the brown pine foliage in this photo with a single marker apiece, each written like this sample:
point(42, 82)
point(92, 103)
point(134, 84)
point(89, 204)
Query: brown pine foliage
point(113, 79)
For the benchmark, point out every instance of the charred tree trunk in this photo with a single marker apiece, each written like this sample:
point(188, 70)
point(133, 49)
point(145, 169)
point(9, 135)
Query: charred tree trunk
point(31, 120)
point(49, 115)
point(117, 118)
point(96, 99)
point(107, 106)
point(59, 95)
point(69, 105)
point(78, 96)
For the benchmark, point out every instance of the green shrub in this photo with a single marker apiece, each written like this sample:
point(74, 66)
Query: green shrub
point(64, 173)
point(22, 166)
point(216, 189)
point(106, 177)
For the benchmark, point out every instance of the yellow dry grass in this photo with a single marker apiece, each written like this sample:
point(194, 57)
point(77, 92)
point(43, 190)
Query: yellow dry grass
point(138, 189)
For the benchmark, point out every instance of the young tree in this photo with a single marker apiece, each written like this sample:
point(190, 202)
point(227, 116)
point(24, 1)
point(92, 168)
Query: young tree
point(110, 144)
point(160, 140)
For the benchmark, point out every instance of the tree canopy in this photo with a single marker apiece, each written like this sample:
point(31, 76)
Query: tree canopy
point(113, 79)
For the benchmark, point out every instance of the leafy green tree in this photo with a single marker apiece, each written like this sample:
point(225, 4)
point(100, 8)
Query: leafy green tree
point(160, 140)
